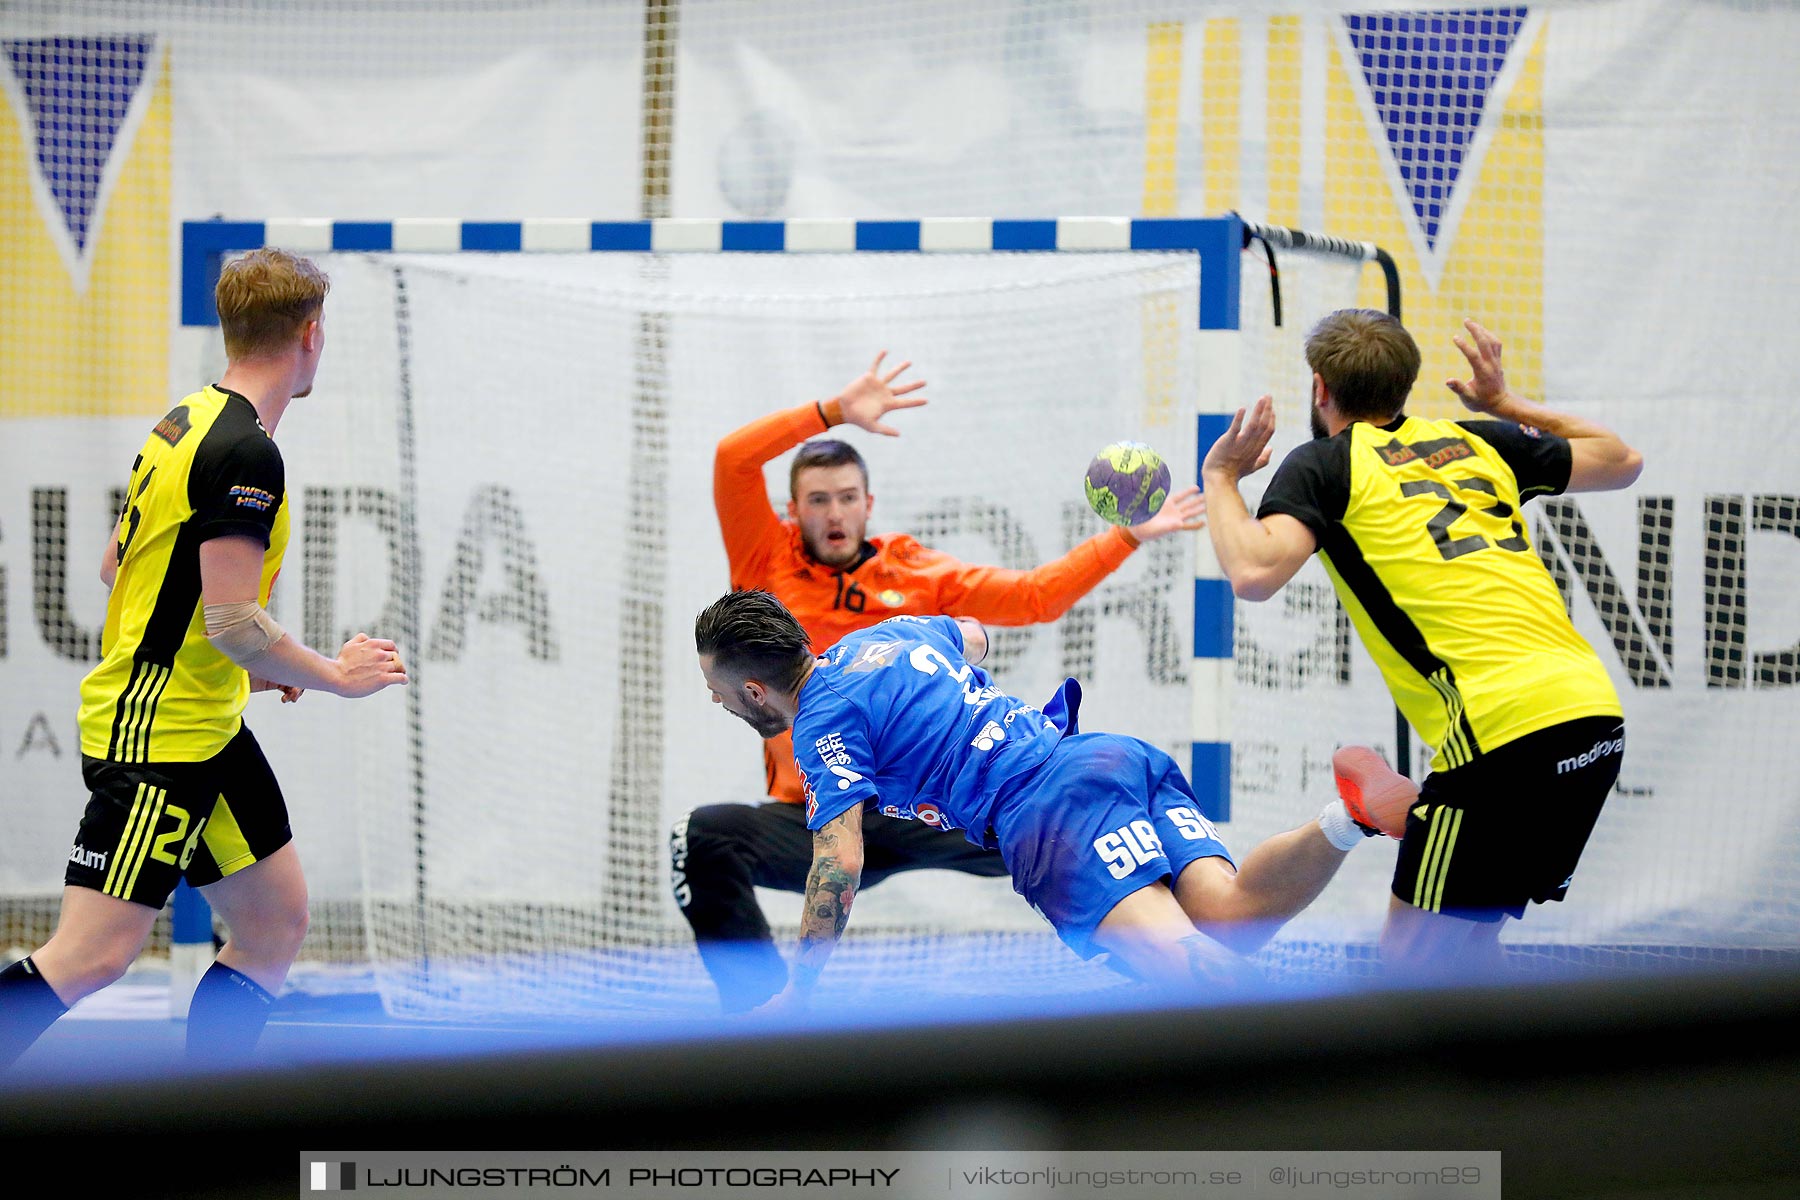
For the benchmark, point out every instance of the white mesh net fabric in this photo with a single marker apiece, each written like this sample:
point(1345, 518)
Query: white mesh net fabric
point(542, 430)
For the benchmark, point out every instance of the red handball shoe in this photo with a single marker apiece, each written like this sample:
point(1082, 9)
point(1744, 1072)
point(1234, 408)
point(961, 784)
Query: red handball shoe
point(1374, 794)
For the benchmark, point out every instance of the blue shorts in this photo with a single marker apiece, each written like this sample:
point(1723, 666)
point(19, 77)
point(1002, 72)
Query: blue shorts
point(1105, 816)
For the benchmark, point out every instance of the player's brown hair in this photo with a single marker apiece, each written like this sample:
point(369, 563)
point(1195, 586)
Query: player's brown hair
point(824, 452)
point(265, 298)
point(752, 634)
point(1367, 360)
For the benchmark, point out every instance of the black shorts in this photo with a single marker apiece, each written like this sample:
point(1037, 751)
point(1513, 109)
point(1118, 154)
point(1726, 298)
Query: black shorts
point(148, 825)
point(1506, 830)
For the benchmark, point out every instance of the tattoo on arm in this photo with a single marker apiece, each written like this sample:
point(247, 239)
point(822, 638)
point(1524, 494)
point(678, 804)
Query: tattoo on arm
point(830, 889)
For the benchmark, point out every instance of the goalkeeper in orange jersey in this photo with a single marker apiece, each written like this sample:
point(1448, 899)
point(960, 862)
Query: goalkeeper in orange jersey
point(823, 566)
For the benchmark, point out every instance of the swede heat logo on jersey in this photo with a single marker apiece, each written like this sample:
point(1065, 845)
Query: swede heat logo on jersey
point(245, 496)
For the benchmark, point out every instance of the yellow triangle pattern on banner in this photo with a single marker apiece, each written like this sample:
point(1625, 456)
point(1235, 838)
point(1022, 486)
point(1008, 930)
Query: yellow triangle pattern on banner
point(99, 345)
point(1493, 264)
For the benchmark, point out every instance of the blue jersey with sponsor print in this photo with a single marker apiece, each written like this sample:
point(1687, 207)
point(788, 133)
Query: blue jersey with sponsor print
point(894, 715)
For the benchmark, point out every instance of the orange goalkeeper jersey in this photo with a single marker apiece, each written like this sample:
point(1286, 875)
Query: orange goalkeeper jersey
point(894, 574)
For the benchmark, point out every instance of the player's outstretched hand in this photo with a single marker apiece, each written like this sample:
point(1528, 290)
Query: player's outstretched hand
point(367, 665)
point(1487, 389)
point(1185, 509)
point(872, 395)
point(1243, 449)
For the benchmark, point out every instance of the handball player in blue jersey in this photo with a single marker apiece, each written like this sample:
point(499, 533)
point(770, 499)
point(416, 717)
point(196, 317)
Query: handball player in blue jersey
point(1100, 832)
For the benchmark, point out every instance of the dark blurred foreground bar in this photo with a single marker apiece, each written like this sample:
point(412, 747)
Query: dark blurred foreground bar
point(1676, 1086)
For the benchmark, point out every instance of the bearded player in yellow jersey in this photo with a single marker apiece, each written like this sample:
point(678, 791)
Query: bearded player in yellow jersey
point(178, 786)
point(1418, 524)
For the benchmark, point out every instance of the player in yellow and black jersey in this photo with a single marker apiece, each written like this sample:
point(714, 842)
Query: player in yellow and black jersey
point(1418, 524)
point(178, 787)
point(162, 693)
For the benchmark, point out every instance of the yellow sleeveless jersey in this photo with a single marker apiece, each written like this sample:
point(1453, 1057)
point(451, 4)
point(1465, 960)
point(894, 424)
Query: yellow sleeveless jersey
point(162, 693)
point(1418, 525)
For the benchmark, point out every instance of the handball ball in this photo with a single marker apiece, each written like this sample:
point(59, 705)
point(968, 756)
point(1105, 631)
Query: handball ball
point(1127, 482)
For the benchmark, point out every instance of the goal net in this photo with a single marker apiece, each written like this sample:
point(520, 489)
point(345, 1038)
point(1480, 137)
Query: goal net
point(507, 467)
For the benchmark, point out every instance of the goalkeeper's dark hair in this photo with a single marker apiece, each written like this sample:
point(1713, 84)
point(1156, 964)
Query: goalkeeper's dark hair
point(1367, 360)
point(824, 452)
point(752, 634)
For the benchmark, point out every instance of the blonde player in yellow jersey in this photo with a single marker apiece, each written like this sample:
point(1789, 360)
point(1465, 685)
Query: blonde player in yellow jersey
point(178, 786)
point(1418, 524)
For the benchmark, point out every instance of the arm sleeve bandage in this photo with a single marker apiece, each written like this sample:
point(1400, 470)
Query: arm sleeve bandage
point(243, 632)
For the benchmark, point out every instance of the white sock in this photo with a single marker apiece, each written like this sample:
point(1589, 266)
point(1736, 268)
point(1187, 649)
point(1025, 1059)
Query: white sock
point(1339, 829)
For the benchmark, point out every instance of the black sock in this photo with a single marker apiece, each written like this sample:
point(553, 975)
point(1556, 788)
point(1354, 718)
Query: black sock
point(28, 1006)
point(226, 1017)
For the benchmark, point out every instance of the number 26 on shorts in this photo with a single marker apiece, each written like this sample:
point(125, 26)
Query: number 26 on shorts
point(1131, 846)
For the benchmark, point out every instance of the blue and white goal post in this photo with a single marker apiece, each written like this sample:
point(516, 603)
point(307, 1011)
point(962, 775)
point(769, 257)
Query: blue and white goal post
point(1231, 350)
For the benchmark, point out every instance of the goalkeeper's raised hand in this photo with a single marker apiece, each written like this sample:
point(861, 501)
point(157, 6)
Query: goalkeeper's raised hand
point(872, 395)
point(1183, 510)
